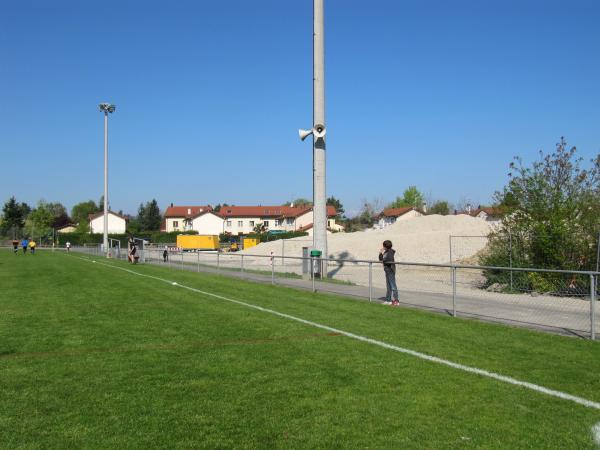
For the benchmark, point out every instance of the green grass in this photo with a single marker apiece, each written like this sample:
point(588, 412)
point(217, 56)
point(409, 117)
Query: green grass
point(94, 357)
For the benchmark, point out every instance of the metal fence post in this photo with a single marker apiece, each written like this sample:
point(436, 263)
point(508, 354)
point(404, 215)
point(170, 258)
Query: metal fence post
point(453, 291)
point(218, 261)
point(242, 264)
point(198, 254)
point(282, 253)
point(312, 273)
point(510, 262)
point(370, 281)
point(592, 307)
point(181, 259)
point(273, 269)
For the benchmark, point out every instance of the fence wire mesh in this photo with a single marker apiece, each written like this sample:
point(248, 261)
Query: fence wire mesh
point(535, 298)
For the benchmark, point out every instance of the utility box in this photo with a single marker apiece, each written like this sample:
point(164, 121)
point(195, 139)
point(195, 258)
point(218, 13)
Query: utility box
point(249, 243)
point(198, 242)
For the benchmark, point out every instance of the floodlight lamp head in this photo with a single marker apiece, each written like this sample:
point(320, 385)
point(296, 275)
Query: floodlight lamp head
point(107, 108)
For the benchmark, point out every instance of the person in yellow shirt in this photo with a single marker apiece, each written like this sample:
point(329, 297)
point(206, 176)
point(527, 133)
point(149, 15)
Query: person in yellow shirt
point(32, 246)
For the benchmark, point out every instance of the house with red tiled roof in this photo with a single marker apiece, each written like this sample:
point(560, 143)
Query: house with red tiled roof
point(488, 213)
point(391, 215)
point(180, 218)
point(244, 219)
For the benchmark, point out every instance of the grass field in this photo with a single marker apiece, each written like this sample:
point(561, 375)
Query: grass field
point(96, 357)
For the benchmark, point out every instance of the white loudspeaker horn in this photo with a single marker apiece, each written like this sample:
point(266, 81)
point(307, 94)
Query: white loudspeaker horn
point(319, 130)
point(304, 133)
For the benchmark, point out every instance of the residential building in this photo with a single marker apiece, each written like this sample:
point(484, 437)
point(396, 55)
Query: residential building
point(179, 218)
point(489, 214)
point(244, 219)
point(391, 215)
point(117, 224)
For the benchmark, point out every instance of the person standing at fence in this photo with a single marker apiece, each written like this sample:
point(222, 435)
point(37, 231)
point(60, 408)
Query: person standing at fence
point(15, 244)
point(386, 256)
point(165, 254)
point(24, 244)
point(32, 246)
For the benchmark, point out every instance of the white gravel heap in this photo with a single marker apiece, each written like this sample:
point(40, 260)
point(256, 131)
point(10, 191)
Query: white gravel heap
point(420, 239)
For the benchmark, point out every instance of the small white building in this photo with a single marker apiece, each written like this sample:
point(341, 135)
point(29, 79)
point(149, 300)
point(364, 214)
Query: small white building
point(391, 215)
point(117, 224)
point(207, 222)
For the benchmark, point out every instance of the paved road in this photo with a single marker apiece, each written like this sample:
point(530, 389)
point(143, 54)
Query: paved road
point(564, 316)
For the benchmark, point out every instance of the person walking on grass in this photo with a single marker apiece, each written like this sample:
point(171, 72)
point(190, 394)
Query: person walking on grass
point(32, 247)
point(386, 256)
point(24, 244)
point(15, 244)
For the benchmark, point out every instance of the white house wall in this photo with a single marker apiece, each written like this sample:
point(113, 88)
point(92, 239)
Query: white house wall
point(208, 224)
point(116, 225)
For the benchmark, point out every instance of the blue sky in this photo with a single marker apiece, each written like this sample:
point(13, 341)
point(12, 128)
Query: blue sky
point(210, 95)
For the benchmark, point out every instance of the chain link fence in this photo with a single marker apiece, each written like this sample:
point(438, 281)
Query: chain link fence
point(560, 301)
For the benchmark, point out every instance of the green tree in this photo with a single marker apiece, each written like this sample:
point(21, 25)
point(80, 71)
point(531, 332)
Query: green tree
point(410, 197)
point(337, 204)
point(40, 220)
point(299, 202)
point(81, 211)
point(149, 217)
point(13, 217)
point(551, 216)
point(441, 207)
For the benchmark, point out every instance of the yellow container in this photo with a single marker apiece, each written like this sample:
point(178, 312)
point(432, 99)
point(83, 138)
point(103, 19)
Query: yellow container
point(198, 242)
point(250, 242)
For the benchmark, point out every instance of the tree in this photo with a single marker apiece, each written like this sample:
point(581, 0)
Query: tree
point(59, 214)
point(551, 217)
point(439, 207)
point(219, 206)
point(337, 204)
point(410, 197)
point(40, 220)
point(149, 217)
point(81, 211)
point(13, 217)
point(300, 202)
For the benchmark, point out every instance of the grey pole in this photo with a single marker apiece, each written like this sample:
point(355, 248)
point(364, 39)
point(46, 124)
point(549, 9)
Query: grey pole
point(454, 292)
point(273, 270)
point(592, 307)
point(598, 255)
point(510, 254)
point(319, 190)
point(106, 108)
point(370, 281)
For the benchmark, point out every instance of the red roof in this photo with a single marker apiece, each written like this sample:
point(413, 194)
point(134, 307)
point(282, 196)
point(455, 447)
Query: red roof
point(396, 212)
point(269, 211)
point(186, 211)
point(490, 211)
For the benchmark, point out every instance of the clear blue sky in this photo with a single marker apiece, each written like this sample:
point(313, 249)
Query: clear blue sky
point(210, 94)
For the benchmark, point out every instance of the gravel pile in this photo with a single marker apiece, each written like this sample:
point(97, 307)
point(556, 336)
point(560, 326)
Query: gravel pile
point(421, 239)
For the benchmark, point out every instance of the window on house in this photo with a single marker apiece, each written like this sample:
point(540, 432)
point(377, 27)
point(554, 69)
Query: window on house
point(240, 223)
point(175, 224)
point(266, 223)
point(277, 223)
point(229, 223)
point(290, 221)
point(252, 223)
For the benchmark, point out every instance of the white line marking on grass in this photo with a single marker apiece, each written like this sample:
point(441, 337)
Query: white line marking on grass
point(435, 359)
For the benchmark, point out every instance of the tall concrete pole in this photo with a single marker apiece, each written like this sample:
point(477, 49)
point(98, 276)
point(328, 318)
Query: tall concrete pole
point(106, 108)
point(105, 240)
point(319, 186)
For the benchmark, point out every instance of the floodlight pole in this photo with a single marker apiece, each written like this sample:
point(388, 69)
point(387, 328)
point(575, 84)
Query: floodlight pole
point(319, 185)
point(106, 108)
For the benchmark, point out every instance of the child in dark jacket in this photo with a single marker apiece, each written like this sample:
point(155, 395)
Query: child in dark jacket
point(386, 256)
